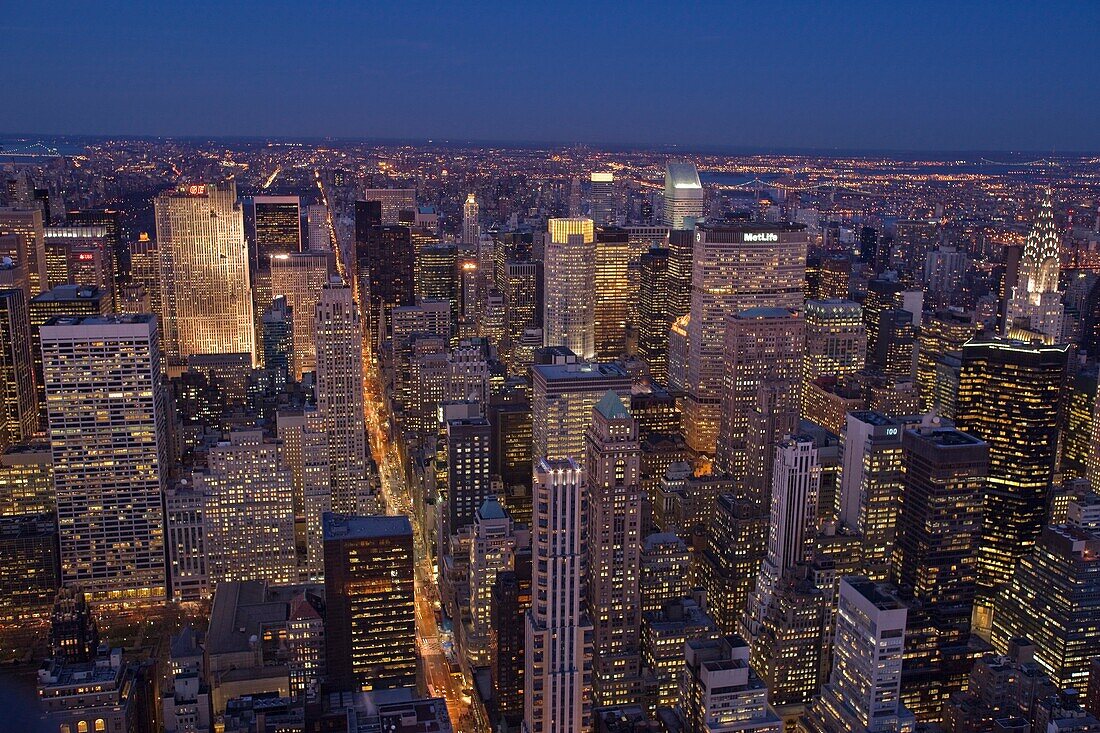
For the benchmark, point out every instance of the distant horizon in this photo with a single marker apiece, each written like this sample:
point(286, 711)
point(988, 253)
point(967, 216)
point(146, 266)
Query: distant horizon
point(443, 141)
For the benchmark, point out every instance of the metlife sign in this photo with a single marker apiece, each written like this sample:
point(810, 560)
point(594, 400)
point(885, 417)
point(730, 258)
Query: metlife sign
point(761, 237)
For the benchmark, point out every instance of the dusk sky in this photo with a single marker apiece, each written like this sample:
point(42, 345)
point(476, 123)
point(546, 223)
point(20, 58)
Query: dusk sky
point(848, 75)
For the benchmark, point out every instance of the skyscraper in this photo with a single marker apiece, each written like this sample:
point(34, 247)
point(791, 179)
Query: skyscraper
point(1053, 599)
point(654, 313)
point(492, 552)
point(340, 396)
point(935, 565)
point(249, 511)
point(204, 277)
point(735, 267)
point(836, 339)
point(384, 266)
point(563, 396)
point(471, 227)
point(863, 692)
point(602, 198)
point(468, 486)
point(721, 693)
point(29, 246)
point(559, 636)
point(730, 563)
point(793, 517)
point(108, 429)
point(277, 226)
point(300, 277)
point(1010, 396)
point(569, 289)
point(683, 194)
point(391, 202)
point(613, 256)
point(871, 485)
point(1036, 302)
point(18, 403)
point(614, 549)
point(761, 388)
point(276, 229)
point(370, 623)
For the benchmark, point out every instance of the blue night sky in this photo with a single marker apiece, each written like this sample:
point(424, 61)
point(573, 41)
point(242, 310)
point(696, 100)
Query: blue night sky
point(849, 75)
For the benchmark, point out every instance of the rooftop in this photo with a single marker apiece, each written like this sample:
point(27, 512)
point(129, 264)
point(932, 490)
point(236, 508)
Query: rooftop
point(611, 406)
point(343, 526)
point(66, 293)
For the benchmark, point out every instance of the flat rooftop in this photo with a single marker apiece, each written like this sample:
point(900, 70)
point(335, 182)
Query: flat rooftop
point(342, 526)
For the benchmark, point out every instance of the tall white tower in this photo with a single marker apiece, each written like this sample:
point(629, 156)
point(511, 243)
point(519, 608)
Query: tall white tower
point(683, 194)
point(1036, 298)
point(558, 660)
point(471, 229)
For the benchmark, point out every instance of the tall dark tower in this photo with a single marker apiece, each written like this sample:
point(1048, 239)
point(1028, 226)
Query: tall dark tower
point(1010, 396)
point(370, 628)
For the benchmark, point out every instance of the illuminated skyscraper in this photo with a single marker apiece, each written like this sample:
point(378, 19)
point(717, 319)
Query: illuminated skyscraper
point(300, 277)
point(728, 566)
point(384, 266)
point(468, 447)
point(204, 277)
point(664, 569)
point(1036, 301)
point(276, 230)
point(871, 485)
point(29, 246)
point(340, 396)
point(559, 638)
point(563, 396)
point(793, 517)
point(108, 429)
point(683, 194)
point(836, 339)
point(145, 269)
point(18, 403)
point(249, 511)
point(602, 198)
point(370, 621)
point(64, 300)
point(277, 226)
point(391, 202)
point(492, 551)
point(471, 227)
point(760, 392)
point(735, 267)
point(942, 333)
point(612, 290)
point(863, 693)
point(1053, 599)
point(654, 313)
point(721, 693)
point(614, 549)
point(1010, 396)
point(935, 565)
point(569, 290)
point(80, 255)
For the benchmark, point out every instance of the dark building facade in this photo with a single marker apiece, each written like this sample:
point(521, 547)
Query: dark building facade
point(370, 628)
